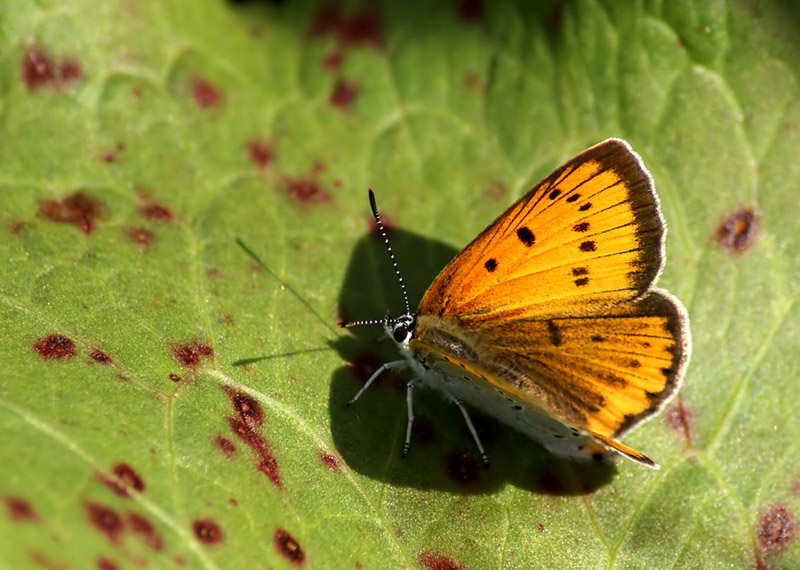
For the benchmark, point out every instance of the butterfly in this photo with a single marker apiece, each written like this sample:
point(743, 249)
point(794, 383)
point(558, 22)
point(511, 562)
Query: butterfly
point(549, 319)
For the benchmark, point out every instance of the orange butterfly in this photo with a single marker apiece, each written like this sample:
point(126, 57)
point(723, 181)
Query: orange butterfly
point(549, 319)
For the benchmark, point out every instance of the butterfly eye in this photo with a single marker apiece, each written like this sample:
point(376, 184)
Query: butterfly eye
point(401, 333)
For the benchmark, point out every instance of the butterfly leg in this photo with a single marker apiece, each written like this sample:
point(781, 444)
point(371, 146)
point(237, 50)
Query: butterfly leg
point(410, 403)
point(472, 429)
point(378, 372)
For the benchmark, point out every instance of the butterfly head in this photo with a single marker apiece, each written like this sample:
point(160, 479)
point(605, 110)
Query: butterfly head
point(402, 329)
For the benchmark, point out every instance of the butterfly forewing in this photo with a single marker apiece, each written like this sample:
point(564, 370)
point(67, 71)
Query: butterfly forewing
point(589, 235)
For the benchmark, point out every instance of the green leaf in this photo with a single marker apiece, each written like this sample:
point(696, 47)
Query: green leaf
point(167, 401)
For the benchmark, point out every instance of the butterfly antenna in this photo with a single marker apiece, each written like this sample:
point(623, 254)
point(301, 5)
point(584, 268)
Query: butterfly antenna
point(382, 230)
point(375, 213)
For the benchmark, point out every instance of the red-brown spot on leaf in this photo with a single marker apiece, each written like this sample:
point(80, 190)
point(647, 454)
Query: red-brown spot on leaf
point(434, 561)
point(362, 28)
point(343, 94)
point(145, 530)
point(140, 236)
point(42, 560)
point(332, 62)
point(207, 531)
point(288, 546)
point(269, 467)
point(174, 377)
point(679, 419)
point(245, 406)
point(123, 479)
point(20, 510)
point(462, 468)
point(190, 355)
point(738, 230)
point(470, 10)
point(16, 227)
point(225, 445)
point(77, 209)
point(475, 83)
point(38, 69)
point(106, 520)
point(106, 564)
point(55, 346)
point(101, 357)
point(205, 94)
point(267, 464)
point(304, 190)
point(70, 70)
point(777, 528)
point(329, 460)
point(129, 477)
point(261, 153)
point(156, 212)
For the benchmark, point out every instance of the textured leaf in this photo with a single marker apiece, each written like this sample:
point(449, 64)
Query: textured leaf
point(166, 401)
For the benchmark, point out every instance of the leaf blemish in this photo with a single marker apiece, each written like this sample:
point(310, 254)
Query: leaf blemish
point(40, 70)
point(20, 510)
point(205, 94)
point(122, 480)
point(245, 406)
point(261, 153)
point(329, 460)
point(343, 94)
point(433, 561)
point(77, 209)
point(101, 357)
point(362, 29)
point(140, 236)
point(157, 212)
point(190, 355)
point(106, 520)
point(141, 526)
point(737, 232)
point(777, 528)
point(250, 415)
point(288, 546)
point(55, 346)
point(207, 531)
point(225, 445)
point(305, 190)
point(679, 419)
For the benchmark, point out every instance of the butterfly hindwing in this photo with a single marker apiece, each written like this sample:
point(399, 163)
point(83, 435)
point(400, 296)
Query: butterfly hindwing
point(588, 235)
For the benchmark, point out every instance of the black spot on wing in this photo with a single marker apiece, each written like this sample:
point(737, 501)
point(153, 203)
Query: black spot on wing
point(555, 333)
point(526, 236)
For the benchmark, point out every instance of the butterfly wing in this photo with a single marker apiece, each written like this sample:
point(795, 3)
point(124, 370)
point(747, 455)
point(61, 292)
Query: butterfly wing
point(589, 235)
point(553, 302)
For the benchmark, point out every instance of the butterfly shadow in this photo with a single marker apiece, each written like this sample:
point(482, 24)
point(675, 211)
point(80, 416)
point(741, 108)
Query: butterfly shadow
point(369, 435)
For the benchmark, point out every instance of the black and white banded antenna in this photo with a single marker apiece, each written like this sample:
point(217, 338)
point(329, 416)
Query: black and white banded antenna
point(385, 320)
